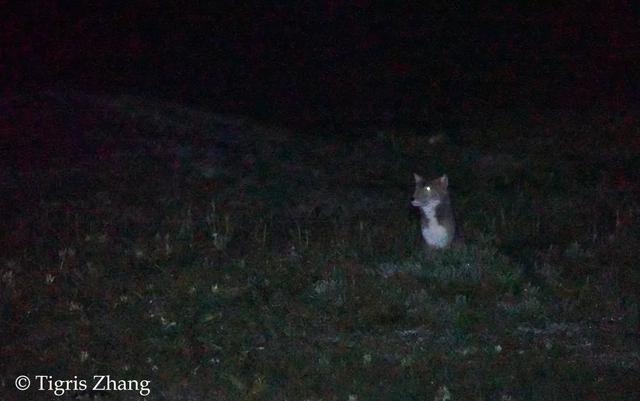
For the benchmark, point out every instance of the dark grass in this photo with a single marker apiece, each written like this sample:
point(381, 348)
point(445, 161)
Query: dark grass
point(221, 259)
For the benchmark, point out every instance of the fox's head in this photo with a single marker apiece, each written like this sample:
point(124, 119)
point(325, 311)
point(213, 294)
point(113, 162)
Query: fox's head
point(429, 191)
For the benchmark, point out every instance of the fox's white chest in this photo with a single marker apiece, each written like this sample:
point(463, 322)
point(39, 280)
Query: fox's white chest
point(433, 232)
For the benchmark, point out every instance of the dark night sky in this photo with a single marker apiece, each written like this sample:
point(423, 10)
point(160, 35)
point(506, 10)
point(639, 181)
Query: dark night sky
point(321, 61)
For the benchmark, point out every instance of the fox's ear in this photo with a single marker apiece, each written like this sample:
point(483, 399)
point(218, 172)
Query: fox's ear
point(444, 181)
point(418, 178)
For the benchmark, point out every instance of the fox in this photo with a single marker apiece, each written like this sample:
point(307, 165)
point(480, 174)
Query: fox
point(437, 222)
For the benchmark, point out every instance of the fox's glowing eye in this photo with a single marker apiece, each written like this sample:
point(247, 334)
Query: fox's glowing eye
point(428, 188)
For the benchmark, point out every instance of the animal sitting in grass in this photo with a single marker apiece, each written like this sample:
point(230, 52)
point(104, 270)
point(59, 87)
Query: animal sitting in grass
point(437, 223)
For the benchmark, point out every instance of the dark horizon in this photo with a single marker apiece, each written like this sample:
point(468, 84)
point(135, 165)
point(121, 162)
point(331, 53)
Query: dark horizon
point(333, 63)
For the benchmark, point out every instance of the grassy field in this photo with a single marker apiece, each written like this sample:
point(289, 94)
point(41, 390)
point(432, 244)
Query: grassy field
point(225, 260)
